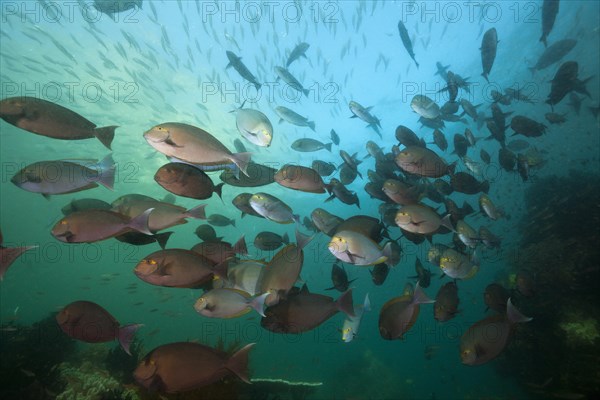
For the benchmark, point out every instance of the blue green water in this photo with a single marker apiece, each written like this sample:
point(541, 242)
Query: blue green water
point(355, 54)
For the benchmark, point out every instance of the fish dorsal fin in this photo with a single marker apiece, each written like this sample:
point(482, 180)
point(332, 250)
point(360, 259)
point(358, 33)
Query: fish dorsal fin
point(304, 289)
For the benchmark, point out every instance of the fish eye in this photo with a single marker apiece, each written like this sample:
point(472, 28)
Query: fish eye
point(63, 222)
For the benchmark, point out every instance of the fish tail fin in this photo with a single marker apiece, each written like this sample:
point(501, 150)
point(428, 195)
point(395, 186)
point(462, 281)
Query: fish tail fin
point(387, 251)
point(241, 160)
point(238, 362)
point(220, 270)
point(240, 246)
point(328, 147)
point(106, 171)
point(258, 303)
point(8, 255)
point(420, 297)
point(447, 222)
point(285, 238)
point(163, 238)
point(197, 212)
point(302, 240)
point(367, 303)
point(219, 190)
point(296, 218)
point(345, 304)
point(311, 125)
point(126, 334)
point(106, 135)
point(515, 316)
point(452, 167)
point(485, 187)
point(140, 222)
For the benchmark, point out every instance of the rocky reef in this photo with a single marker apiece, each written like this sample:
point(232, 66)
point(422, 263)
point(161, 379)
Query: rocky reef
point(556, 355)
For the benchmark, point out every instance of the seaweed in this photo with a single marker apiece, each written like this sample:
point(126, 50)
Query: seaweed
point(120, 364)
point(29, 358)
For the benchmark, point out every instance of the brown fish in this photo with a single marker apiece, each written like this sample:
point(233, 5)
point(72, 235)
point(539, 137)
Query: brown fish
point(466, 183)
point(177, 268)
point(85, 204)
point(379, 273)
point(300, 178)
point(423, 162)
point(407, 137)
point(64, 176)
point(220, 220)
point(164, 216)
point(140, 239)
point(270, 241)
point(282, 272)
point(256, 175)
point(446, 302)
point(8, 255)
point(218, 252)
point(95, 225)
point(527, 127)
point(364, 224)
point(187, 181)
point(90, 323)
point(49, 119)
point(495, 297)
point(338, 190)
point(207, 233)
point(478, 347)
point(193, 145)
point(400, 192)
point(303, 311)
point(399, 314)
point(421, 219)
point(182, 366)
point(325, 221)
point(242, 203)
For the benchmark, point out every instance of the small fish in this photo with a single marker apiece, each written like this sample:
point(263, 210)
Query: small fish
point(352, 324)
point(334, 137)
point(406, 41)
point(488, 49)
point(240, 67)
point(285, 114)
point(297, 52)
point(339, 277)
point(308, 145)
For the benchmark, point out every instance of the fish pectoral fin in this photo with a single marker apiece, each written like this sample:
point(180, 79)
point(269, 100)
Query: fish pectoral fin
point(171, 143)
point(352, 256)
point(250, 133)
